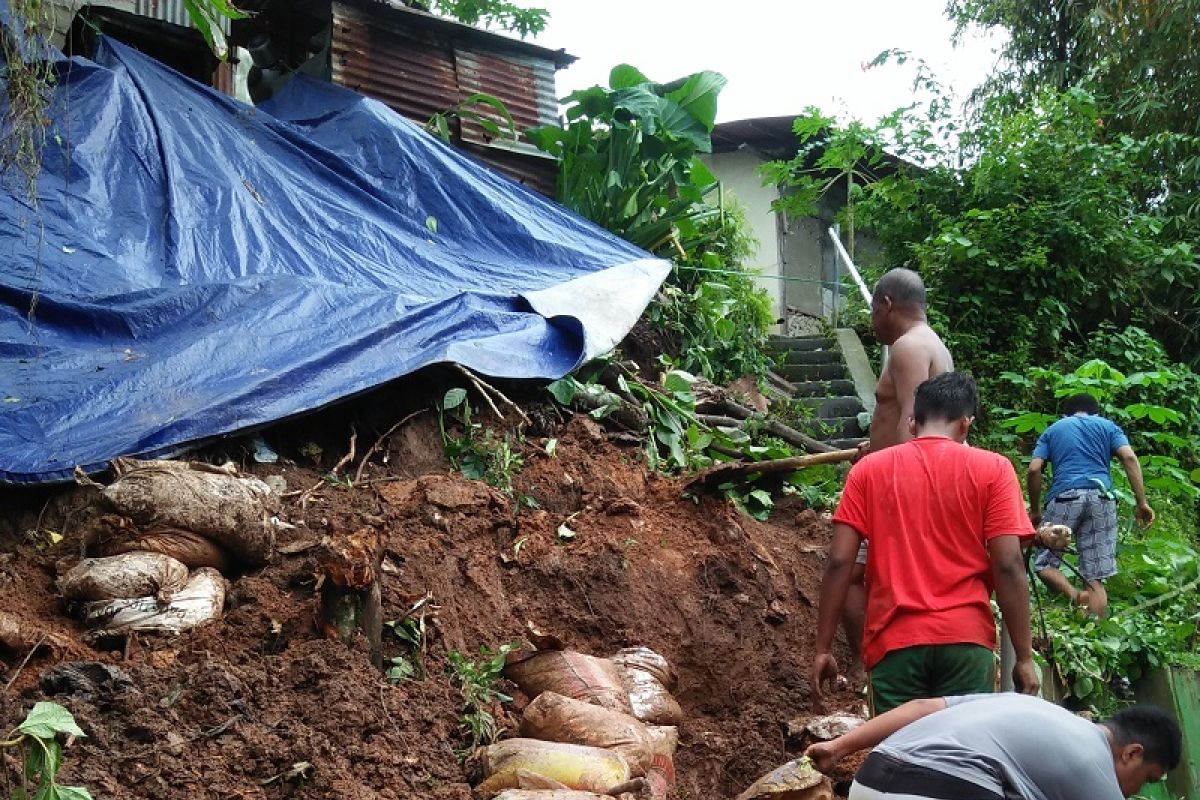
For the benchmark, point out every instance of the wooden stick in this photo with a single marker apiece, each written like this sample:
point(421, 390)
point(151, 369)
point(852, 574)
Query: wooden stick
point(723, 472)
point(363, 464)
point(28, 656)
point(484, 387)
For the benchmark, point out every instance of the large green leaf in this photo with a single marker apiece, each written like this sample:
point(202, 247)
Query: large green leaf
point(46, 720)
point(698, 97)
point(623, 76)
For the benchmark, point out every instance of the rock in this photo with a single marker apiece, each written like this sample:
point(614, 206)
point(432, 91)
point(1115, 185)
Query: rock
point(804, 730)
point(795, 780)
point(86, 678)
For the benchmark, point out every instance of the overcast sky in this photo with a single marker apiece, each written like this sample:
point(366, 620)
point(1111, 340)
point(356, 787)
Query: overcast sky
point(778, 55)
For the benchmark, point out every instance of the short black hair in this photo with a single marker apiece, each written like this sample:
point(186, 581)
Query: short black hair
point(1154, 729)
point(1080, 402)
point(904, 286)
point(947, 397)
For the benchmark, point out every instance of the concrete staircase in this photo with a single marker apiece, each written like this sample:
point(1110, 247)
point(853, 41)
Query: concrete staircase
point(832, 376)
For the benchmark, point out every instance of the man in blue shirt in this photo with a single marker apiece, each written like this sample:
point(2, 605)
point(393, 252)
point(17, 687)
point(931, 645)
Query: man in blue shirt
point(1079, 448)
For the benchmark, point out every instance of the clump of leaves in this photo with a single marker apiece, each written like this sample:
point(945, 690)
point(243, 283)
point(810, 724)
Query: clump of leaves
point(410, 631)
point(476, 680)
point(478, 453)
point(37, 739)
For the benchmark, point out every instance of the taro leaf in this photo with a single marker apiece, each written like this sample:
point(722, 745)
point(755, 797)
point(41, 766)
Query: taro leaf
point(46, 720)
point(623, 76)
point(454, 398)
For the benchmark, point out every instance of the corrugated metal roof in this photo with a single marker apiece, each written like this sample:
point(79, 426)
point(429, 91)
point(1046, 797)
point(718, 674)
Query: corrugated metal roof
point(420, 72)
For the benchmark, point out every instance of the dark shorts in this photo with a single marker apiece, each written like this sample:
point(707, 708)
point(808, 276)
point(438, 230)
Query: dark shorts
point(1092, 518)
point(883, 776)
point(935, 670)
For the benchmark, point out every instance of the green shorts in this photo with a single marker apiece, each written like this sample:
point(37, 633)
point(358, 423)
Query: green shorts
point(930, 670)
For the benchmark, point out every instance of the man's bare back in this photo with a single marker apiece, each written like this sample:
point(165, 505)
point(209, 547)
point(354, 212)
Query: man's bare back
point(915, 357)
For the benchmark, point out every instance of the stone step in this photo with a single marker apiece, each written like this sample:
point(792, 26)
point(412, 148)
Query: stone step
point(847, 406)
point(813, 372)
point(809, 357)
point(839, 387)
point(833, 428)
point(777, 343)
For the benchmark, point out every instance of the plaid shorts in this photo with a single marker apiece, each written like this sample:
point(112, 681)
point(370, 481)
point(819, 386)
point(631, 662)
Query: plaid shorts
point(1092, 518)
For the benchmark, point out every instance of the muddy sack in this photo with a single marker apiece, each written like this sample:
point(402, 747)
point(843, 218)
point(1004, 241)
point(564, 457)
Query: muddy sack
point(571, 674)
point(645, 675)
point(555, 718)
point(795, 780)
point(119, 577)
point(201, 600)
point(232, 510)
point(112, 535)
point(590, 769)
point(660, 775)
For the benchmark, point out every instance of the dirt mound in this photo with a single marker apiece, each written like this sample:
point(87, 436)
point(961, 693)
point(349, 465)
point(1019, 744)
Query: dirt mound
point(258, 705)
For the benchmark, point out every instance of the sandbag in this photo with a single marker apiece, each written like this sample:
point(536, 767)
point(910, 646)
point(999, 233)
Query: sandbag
point(647, 660)
point(549, 794)
point(555, 718)
point(660, 775)
point(571, 674)
point(233, 510)
point(201, 600)
point(795, 780)
point(128, 575)
point(649, 700)
point(590, 769)
point(190, 549)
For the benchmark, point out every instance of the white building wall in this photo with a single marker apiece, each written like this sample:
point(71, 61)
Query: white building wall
point(738, 173)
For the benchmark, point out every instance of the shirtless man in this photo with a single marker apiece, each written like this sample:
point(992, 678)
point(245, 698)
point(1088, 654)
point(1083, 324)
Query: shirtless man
point(917, 354)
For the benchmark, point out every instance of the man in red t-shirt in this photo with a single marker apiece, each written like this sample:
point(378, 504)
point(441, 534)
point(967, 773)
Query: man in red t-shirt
point(946, 523)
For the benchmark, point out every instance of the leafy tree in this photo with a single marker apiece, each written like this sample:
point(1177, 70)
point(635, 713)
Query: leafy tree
point(1140, 56)
point(629, 162)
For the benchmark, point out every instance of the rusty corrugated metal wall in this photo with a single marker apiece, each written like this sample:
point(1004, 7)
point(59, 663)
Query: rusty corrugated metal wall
point(420, 74)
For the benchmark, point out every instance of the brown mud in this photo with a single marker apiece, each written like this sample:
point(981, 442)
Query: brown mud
point(259, 705)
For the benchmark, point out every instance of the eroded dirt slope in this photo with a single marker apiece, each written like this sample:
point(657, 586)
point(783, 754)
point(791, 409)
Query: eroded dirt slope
point(228, 710)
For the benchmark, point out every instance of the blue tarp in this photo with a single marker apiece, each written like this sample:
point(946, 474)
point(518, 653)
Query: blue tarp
point(196, 266)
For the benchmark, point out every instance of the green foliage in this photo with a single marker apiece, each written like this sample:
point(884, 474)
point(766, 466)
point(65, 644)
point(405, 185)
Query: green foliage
point(411, 631)
point(208, 16)
point(679, 442)
point(628, 156)
point(475, 108)
point(710, 307)
point(476, 680)
point(38, 739)
point(1150, 622)
point(494, 13)
point(479, 454)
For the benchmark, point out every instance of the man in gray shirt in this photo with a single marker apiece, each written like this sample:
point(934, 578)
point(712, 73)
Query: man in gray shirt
point(1005, 747)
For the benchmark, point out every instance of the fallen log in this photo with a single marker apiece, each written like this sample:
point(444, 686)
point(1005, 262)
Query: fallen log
point(740, 469)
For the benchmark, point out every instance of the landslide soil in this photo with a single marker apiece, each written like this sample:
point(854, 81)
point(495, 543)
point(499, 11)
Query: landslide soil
point(230, 709)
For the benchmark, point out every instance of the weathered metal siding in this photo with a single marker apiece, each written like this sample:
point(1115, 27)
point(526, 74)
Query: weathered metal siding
point(419, 74)
point(173, 11)
point(414, 77)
